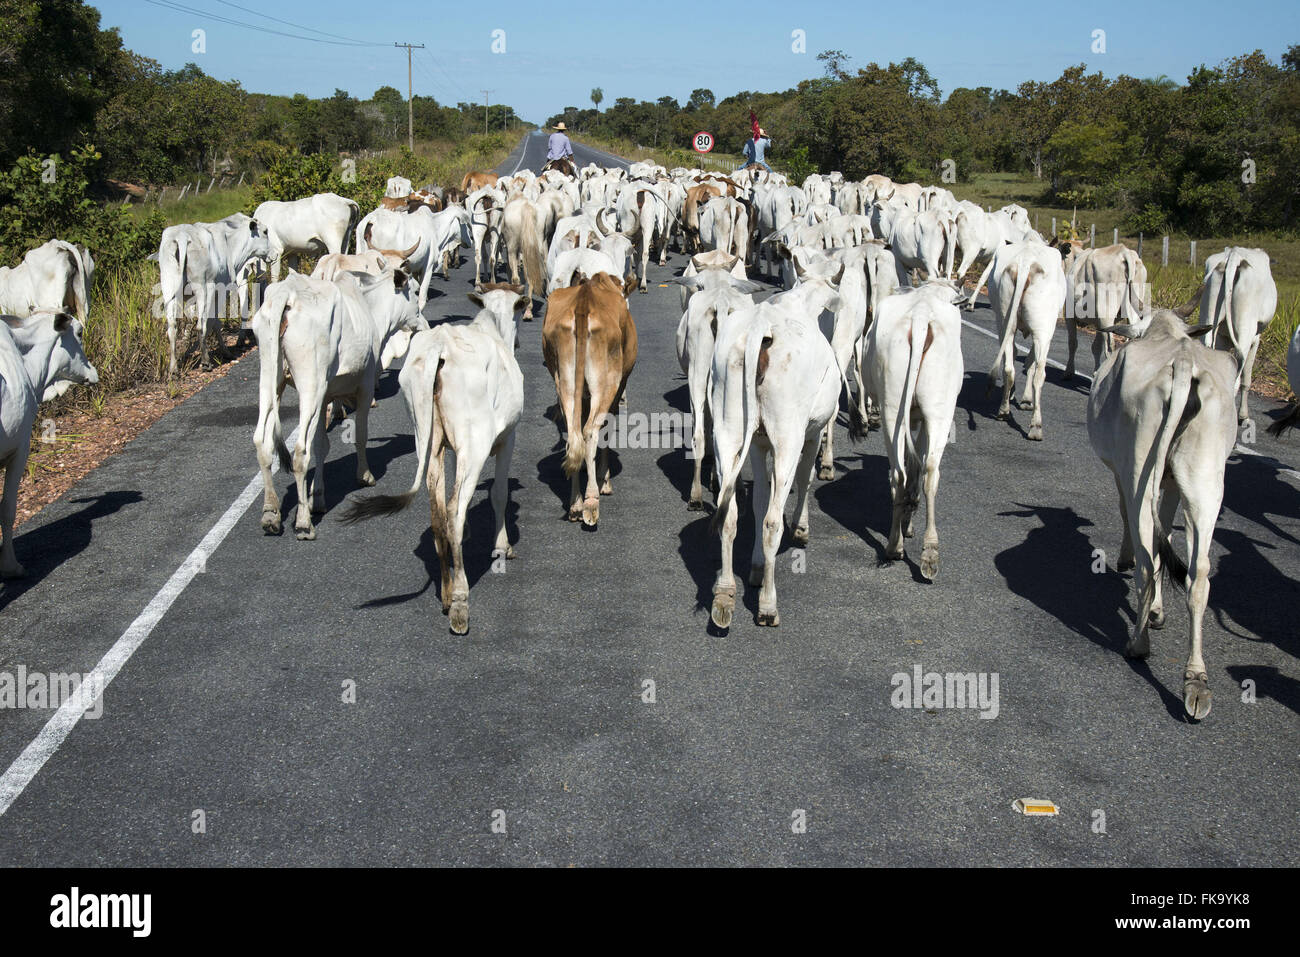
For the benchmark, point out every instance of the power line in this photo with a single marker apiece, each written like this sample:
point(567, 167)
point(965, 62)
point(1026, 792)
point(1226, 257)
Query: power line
point(290, 23)
point(182, 8)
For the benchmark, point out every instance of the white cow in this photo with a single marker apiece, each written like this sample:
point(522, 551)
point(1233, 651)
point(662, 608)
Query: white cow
point(715, 293)
point(521, 228)
point(712, 259)
point(40, 357)
point(925, 240)
point(1160, 417)
point(328, 339)
point(465, 392)
point(1102, 285)
point(1027, 292)
point(485, 206)
point(53, 277)
point(724, 225)
point(774, 387)
point(1237, 303)
point(204, 261)
point(397, 187)
point(642, 211)
point(433, 234)
point(913, 370)
point(309, 226)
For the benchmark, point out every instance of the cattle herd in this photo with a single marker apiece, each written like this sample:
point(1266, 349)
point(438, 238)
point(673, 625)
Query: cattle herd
point(869, 317)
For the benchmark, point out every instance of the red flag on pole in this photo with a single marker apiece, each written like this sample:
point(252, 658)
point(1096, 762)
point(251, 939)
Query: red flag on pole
point(753, 123)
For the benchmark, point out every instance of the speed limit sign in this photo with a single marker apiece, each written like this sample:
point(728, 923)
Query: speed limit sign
point(703, 142)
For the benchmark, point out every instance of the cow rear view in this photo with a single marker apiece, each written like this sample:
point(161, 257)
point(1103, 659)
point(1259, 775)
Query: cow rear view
point(1161, 417)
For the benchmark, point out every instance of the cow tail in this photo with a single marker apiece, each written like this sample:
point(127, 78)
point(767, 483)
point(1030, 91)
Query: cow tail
point(429, 444)
point(1229, 277)
point(576, 452)
point(534, 251)
point(269, 330)
point(354, 217)
point(902, 438)
point(1171, 563)
point(1006, 349)
point(758, 335)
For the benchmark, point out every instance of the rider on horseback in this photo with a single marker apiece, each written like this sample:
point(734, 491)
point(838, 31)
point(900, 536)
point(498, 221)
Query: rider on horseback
point(558, 146)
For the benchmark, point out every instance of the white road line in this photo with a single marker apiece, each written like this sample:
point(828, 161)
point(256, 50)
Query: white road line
point(522, 153)
point(56, 730)
point(1239, 449)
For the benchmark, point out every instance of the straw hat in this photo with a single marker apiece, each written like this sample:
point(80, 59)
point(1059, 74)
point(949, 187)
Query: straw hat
point(560, 127)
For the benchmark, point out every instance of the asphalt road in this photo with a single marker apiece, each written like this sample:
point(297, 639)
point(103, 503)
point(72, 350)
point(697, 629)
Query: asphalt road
point(232, 700)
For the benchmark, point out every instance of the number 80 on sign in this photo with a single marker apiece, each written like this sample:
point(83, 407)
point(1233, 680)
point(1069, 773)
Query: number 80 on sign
point(702, 142)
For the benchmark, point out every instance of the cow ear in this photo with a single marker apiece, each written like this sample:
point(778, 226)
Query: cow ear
point(399, 279)
point(62, 322)
point(475, 298)
point(521, 300)
point(629, 284)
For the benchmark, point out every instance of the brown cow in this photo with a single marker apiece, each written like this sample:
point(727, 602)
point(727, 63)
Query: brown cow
point(696, 197)
point(477, 179)
point(589, 344)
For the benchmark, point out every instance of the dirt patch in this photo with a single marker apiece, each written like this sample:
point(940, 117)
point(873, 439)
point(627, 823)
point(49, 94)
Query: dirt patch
point(68, 447)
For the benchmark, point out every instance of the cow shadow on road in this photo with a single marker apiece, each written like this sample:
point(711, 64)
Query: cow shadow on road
point(48, 546)
point(341, 473)
point(1242, 578)
point(1254, 489)
point(480, 533)
point(976, 399)
point(1269, 683)
point(1053, 569)
point(860, 501)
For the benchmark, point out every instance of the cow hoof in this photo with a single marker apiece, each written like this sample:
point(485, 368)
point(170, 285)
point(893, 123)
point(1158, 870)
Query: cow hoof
point(458, 616)
point(13, 571)
point(591, 512)
point(826, 473)
point(510, 552)
point(367, 480)
point(575, 513)
point(1035, 433)
point(800, 537)
point(607, 489)
point(695, 505)
point(644, 290)
point(724, 605)
point(1125, 564)
point(767, 619)
point(1156, 619)
point(756, 575)
point(1196, 695)
point(306, 534)
point(271, 522)
point(930, 562)
point(1003, 413)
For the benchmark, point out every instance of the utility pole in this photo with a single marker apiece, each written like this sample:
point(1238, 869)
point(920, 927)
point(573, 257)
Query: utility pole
point(410, 102)
point(487, 95)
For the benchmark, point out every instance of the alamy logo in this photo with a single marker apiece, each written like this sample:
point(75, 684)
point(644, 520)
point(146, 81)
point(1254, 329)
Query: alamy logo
point(952, 689)
point(103, 910)
point(22, 689)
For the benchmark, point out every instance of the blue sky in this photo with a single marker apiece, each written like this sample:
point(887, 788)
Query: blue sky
point(553, 58)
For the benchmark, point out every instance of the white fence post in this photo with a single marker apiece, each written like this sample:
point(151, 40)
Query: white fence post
point(1115, 241)
point(1164, 251)
point(1191, 256)
point(1092, 236)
